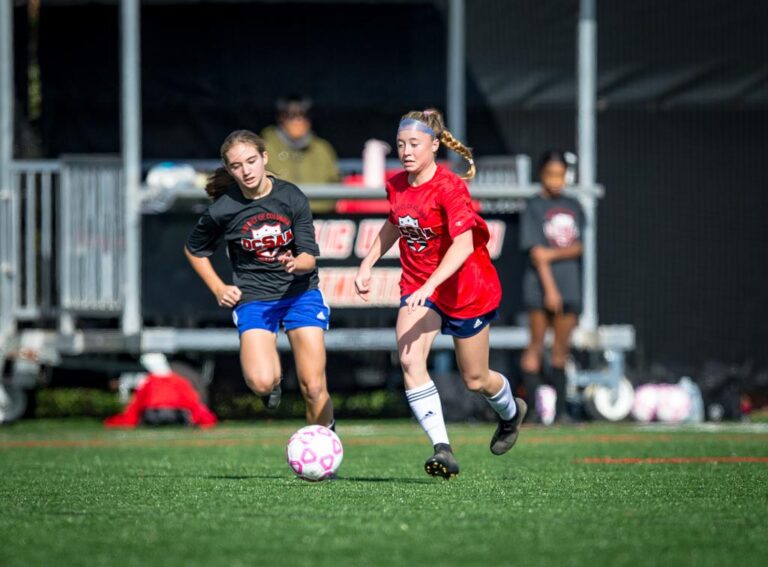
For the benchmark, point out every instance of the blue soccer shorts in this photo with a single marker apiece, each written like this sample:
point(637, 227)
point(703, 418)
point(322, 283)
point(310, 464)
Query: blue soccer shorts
point(307, 309)
point(461, 328)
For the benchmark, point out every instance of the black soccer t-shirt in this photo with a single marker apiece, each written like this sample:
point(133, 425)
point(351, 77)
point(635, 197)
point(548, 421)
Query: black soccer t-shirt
point(256, 233)
point(554, 223)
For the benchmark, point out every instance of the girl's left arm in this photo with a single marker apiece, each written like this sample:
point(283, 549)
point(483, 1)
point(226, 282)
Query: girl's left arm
point(454, 258)
point(303, 260)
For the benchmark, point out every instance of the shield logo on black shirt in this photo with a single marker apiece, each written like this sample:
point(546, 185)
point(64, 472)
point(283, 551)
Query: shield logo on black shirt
point(268, 240)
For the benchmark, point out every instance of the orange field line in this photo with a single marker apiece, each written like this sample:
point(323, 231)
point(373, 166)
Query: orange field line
point(668, 460)
point(351, 440)
point(416, 438)
point(205, 442)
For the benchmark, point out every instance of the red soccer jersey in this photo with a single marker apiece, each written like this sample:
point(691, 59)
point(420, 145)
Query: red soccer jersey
point(429, 217)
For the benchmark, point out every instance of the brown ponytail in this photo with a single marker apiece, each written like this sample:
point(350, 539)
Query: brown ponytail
point(432, 118)
point(218, 183)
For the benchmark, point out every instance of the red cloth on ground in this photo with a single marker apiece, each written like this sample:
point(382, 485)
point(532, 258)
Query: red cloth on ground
point(167, 391)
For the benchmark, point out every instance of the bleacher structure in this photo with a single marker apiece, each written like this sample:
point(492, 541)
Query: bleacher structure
point(69, 250)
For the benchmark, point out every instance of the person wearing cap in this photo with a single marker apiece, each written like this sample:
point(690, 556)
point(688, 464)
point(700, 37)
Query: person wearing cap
point(296, 153)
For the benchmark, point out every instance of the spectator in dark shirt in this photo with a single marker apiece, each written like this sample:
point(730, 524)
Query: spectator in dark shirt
point(550, 235)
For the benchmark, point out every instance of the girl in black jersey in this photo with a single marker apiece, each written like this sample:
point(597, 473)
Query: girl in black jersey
point(550, 234)
point(267, 226)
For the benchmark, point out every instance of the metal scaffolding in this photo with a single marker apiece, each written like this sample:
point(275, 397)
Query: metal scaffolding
point(7, 246)
point(130, 18)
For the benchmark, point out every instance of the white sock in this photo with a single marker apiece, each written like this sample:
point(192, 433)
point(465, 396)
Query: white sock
point(503, 402)
point(425, 405)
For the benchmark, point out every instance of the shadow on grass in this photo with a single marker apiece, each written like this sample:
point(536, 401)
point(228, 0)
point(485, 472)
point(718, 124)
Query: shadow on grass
point(241, 477)
point(219, 476)
point(339, 479)
point(285, 477)
point(384, 479)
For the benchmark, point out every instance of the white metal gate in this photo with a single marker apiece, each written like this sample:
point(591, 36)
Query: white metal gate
point(63, 239)
point(91, 235)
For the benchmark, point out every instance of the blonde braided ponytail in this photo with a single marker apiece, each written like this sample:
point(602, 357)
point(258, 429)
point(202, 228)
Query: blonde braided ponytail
point(454, 145)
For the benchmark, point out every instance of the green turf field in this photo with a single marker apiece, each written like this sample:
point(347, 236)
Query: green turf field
point(72, 493)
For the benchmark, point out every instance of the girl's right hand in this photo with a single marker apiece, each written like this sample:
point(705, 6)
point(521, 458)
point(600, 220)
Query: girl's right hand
point(363, 282)
point(228, 296)
point(553, 301)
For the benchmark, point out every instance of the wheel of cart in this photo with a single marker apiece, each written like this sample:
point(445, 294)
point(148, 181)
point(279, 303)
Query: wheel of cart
point(604, 392)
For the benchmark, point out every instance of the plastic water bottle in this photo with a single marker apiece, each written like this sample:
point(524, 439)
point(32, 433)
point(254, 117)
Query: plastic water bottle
point(696, 414)
point(374, 163)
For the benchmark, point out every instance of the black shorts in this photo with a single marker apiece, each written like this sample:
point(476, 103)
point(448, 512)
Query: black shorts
point(568, 307)
point(533, 296)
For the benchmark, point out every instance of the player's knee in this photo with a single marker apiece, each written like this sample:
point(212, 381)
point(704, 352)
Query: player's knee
point(559, 357)
point(474, 381)
point(412, 363)
point(534, 348)
point(530, 361)
point(314, 389)
point(261, 383)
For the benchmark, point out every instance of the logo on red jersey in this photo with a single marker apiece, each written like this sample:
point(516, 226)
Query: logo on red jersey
point(415, 236)
point(560, 228)
point(268, 240)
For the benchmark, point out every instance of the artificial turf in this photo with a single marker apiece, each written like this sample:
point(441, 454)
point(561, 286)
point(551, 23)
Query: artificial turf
point(72, 493)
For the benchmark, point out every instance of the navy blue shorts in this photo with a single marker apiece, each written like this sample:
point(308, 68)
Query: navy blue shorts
point(306, 309)
point(462, 328)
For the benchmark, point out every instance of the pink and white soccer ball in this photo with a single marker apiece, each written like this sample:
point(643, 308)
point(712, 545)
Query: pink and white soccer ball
point(314, 452)
point(646, 403)
point(546, 402)
point(674, 404)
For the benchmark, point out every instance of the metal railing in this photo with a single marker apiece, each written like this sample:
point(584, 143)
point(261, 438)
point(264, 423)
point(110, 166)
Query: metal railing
point(91, 235)
point(31, 231)
point(62, 227)
point(64, 231)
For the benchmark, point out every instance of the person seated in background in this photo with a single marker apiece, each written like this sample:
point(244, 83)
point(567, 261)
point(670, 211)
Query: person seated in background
point(164, 398)
point(296, 153)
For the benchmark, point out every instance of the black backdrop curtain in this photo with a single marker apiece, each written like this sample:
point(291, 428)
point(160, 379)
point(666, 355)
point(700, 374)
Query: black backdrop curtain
point(682, 122)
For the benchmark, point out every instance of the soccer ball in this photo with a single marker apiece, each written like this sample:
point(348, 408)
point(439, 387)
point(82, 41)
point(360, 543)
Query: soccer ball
point(546, 401)
point(314, 453)
point(646, 403)
point(674, 404)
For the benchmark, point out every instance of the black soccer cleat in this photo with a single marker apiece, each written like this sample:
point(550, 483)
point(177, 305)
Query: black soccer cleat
point(272, 400)
point(507, 431)
point(442, 463)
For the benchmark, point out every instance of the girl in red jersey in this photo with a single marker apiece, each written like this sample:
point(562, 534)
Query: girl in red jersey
point(448, 284)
